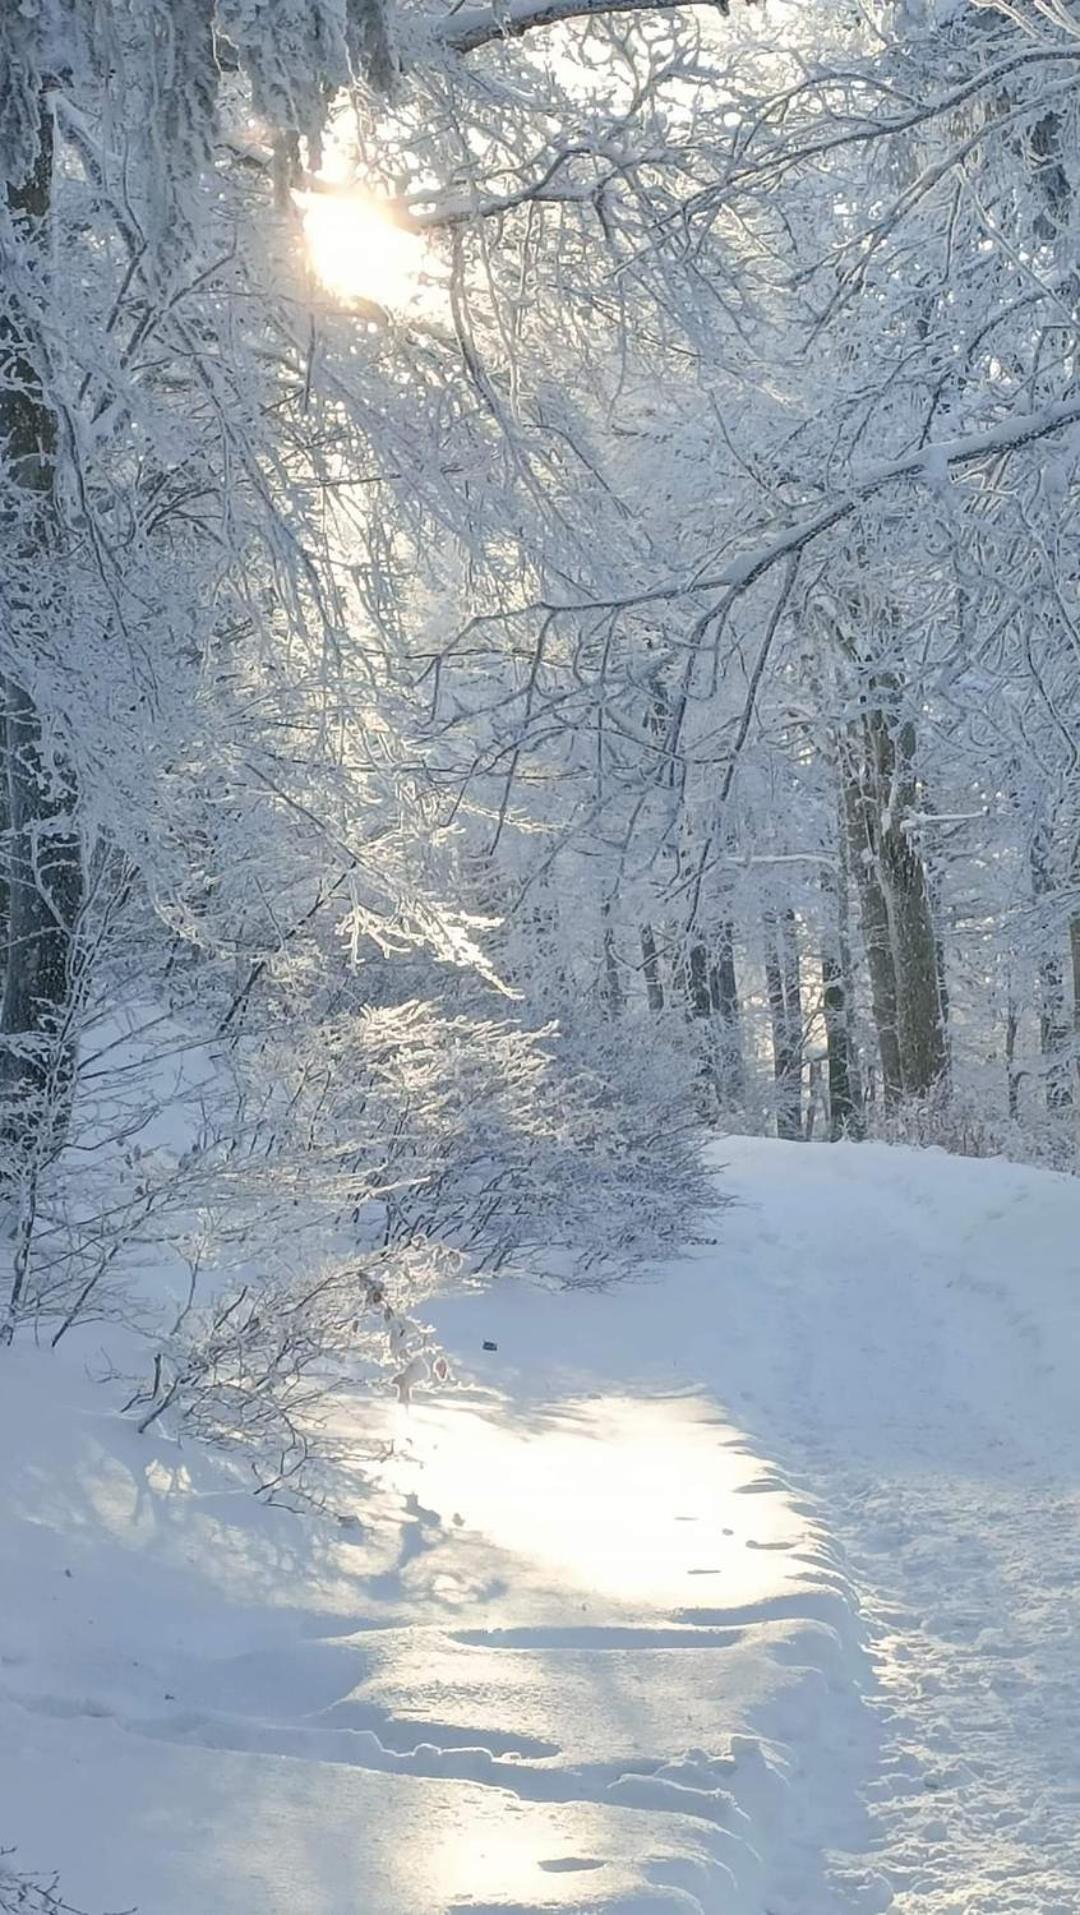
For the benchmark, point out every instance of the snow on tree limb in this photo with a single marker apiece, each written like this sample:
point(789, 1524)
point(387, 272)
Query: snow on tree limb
point(468, 28)
point(928, 463)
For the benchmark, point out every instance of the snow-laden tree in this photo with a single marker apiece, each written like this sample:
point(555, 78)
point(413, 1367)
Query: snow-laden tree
point(895, 505)
point(617, 624)
point(247, 524)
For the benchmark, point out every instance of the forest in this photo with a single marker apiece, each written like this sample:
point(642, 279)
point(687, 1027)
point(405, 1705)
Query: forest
point(539, 633)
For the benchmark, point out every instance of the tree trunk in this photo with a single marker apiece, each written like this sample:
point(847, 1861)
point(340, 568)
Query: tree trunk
point(845, 1091)
point(1055, 1026)
point(697, 981)
point(650, 964)
point(611, 986)
point(789, 954)
point(902, 950)
point(785, 1010)
point(919, 1022)
point(5, 827)
point(44, 880)
point(847, 978)
point(724, 998)
point(933, 892)
point(858, 812)
point(814, 1099)
point(1054, 1034)
point(1074, 952)
point(920, 1027)
point(1012, 1081)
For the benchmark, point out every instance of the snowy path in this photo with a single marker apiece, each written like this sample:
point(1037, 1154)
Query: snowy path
point(680, 1581)
point(929, 1385)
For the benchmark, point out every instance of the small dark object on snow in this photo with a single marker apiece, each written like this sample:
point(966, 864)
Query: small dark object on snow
point(489, 1346)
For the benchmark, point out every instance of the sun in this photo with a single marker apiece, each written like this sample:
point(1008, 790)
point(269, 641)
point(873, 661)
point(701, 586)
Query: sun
point(358, 251)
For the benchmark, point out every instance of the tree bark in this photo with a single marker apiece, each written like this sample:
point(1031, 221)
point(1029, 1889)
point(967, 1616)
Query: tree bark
point(44, 878)
point(1055, 1025)
point(650, 964)
point(724, 998)
point(697, 980)
point(1054, 1034)
point(898, 921)
point(611, 986)
point(1074, 953)
point(785, 1009)
point(920, 1026)
point(877, 940)
point(1012, 1080)
point(845, 1090)
point(789, 954)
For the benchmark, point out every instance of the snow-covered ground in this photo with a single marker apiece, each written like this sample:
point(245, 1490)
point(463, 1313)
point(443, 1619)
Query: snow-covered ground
point(751, 1590)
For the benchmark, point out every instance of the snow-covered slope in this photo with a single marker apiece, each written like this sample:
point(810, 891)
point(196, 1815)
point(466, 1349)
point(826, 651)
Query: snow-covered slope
point(753, 1589)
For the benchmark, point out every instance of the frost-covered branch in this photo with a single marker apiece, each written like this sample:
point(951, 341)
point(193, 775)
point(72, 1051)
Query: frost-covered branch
point(464, 29)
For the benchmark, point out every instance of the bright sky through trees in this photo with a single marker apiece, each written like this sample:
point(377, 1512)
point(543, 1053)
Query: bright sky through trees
point(358, 251)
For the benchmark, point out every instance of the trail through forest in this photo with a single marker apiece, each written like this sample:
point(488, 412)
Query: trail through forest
point(925, 1385)
point(751, 1588)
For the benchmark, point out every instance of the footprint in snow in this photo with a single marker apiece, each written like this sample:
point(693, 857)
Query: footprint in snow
point(571, 1864)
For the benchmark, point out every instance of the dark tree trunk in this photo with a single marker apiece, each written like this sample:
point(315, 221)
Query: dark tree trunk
point(933, 891)
point(1074, 954)
point(785, 1011)
point(650, 964)
point(44, 879)
point(920, 1026)
point(1055, 1034)
point(789, 954)
point(611, 987)
point(1012, 1080)
point(697, 981)
point(724, 998)
point(858, 812)
point(847, 977)
point(901, 941)
point(845, 1090)
point(1055, 1025)
point(943, 987)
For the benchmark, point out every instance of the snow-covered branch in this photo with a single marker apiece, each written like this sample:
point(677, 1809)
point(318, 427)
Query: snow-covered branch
point(466, 28)
point(929, 464)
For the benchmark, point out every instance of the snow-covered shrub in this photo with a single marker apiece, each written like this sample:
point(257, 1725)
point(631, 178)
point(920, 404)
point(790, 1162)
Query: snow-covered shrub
point(387, 1153)
point(961, 1124)
point(266, 1181)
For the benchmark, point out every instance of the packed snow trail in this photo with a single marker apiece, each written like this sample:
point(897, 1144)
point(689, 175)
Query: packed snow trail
point(916, 1355)
point(751, 1590)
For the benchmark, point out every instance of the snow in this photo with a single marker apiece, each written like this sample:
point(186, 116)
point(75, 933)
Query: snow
point(752, 1588)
